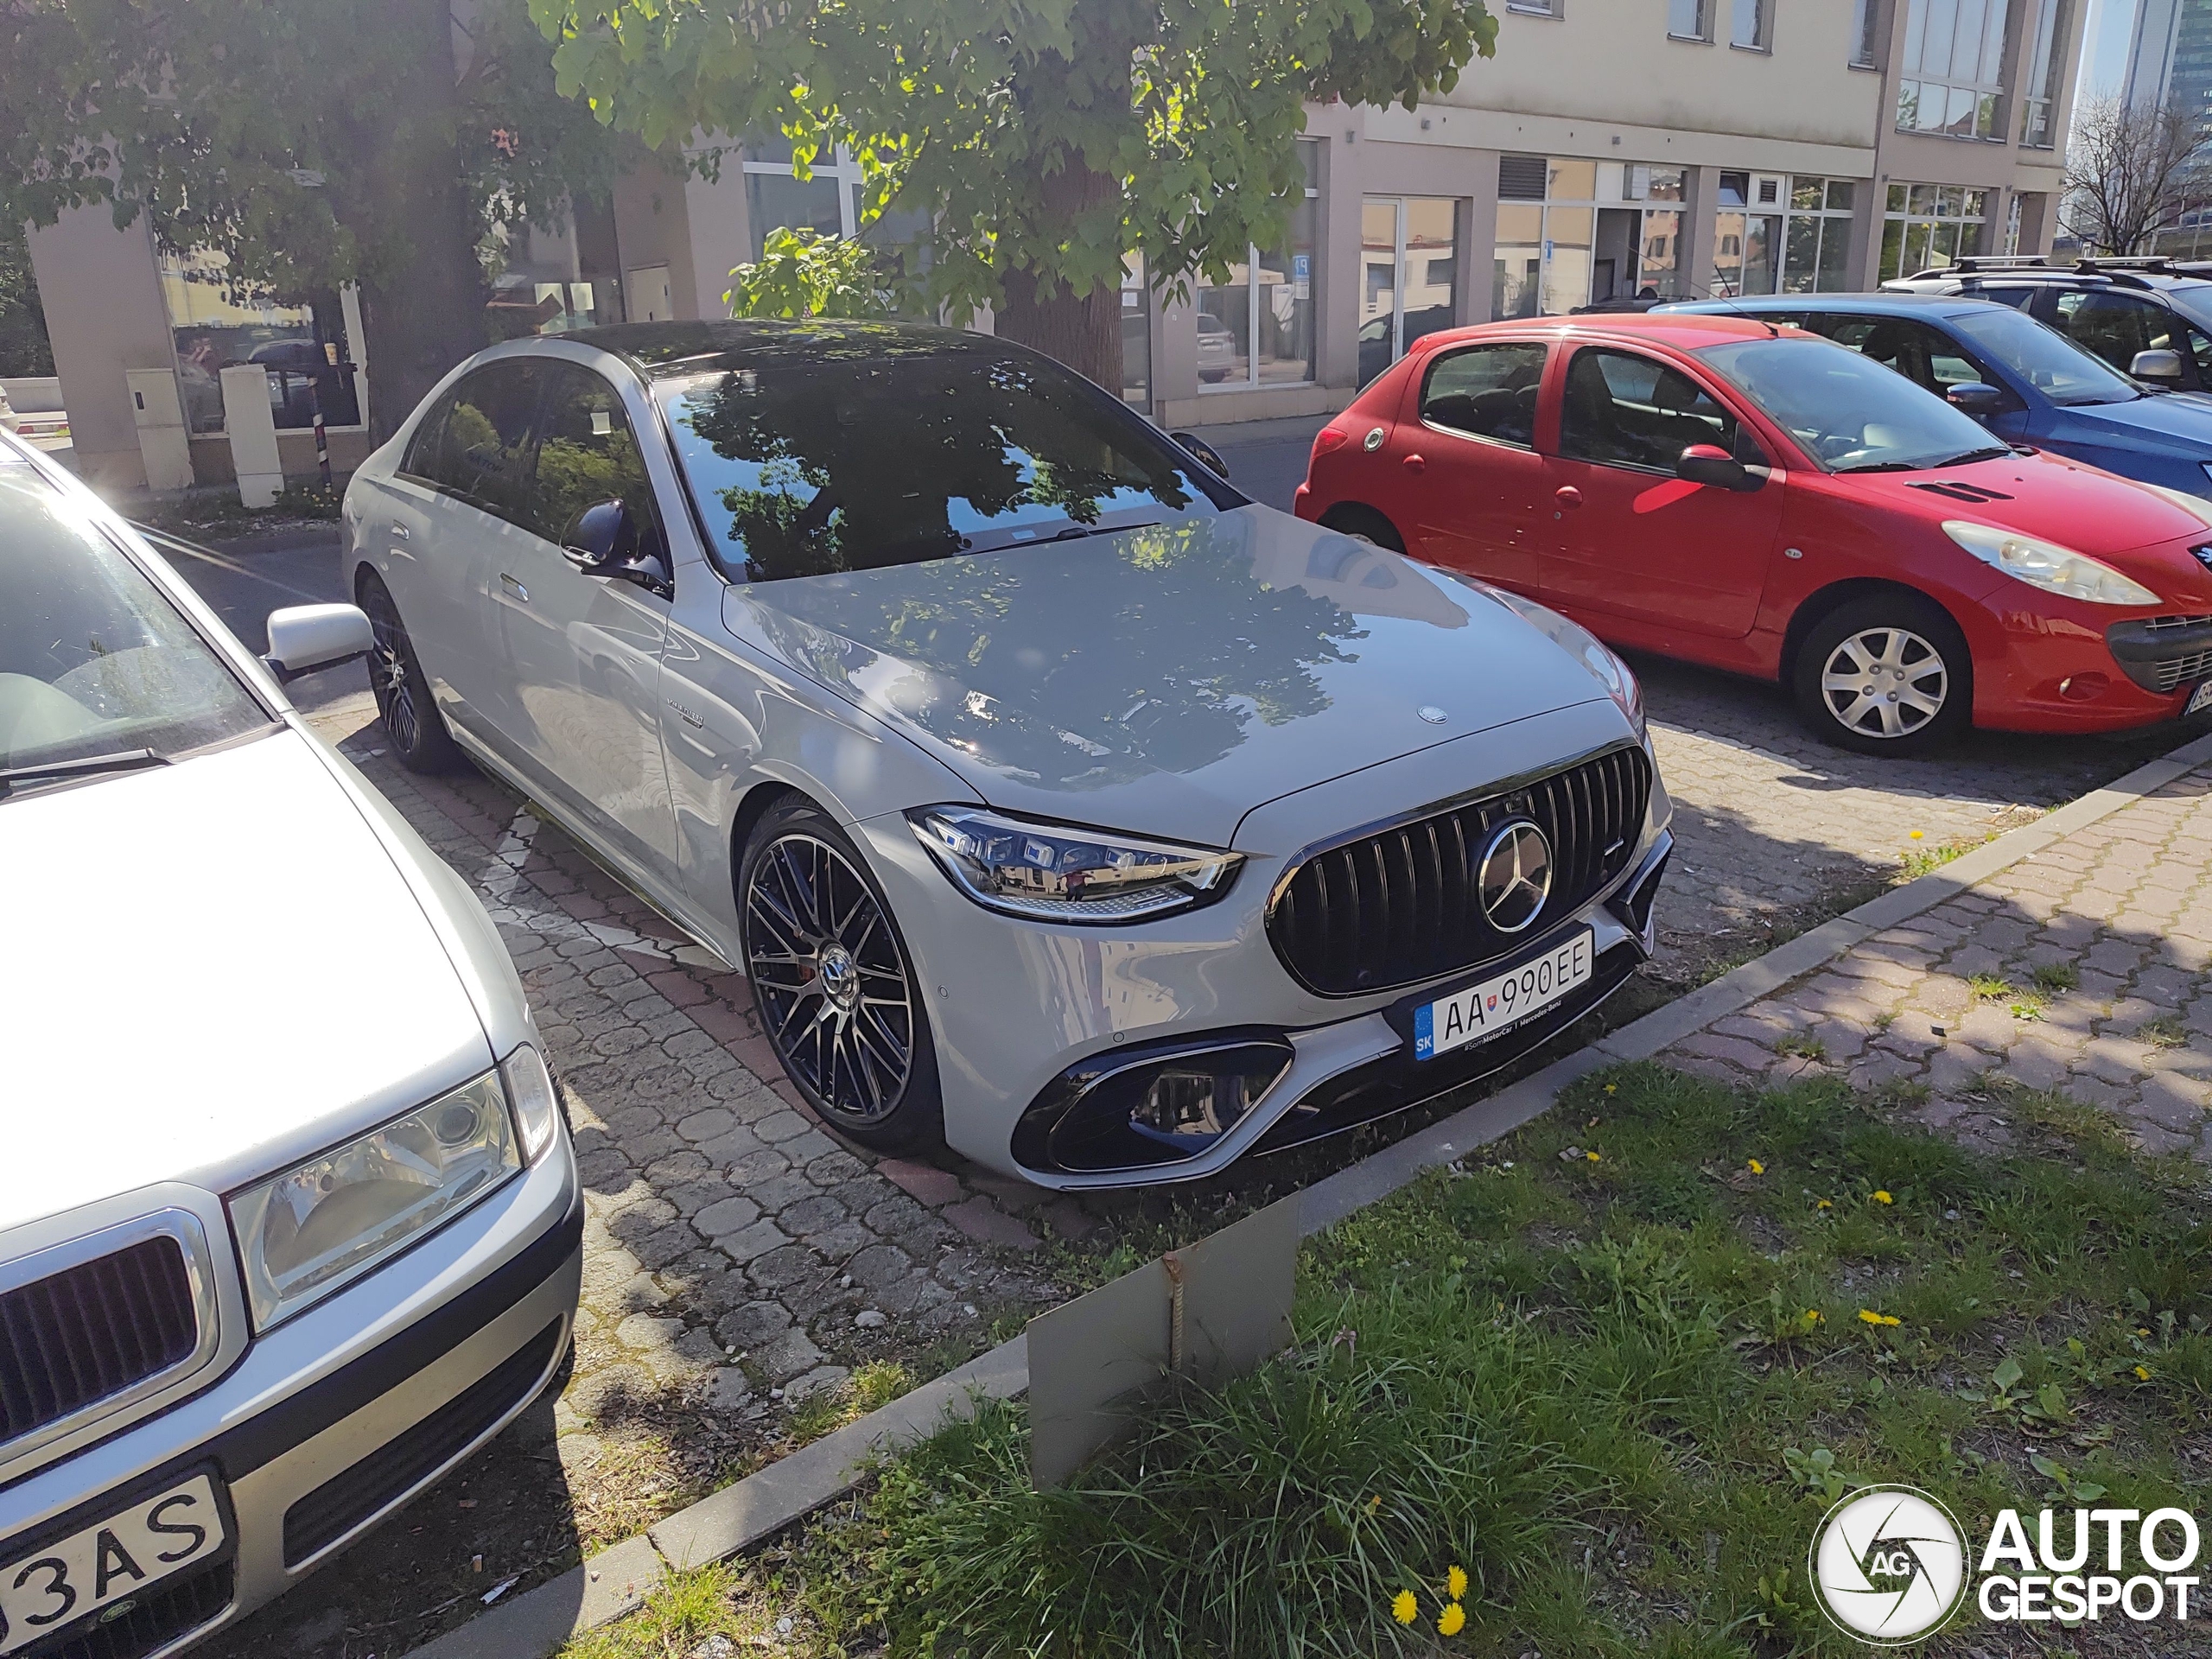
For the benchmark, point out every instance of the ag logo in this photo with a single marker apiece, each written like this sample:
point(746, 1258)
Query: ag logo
point(1889, 1565)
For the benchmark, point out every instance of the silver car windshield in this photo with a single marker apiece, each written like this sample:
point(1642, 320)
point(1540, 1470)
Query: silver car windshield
point(2044, 358)
point(94, 660)
point(1847, 412)
point(866, 452)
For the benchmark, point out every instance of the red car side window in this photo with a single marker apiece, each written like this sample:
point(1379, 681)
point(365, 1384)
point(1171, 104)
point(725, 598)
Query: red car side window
point(1486, 391)
point(1625, 410)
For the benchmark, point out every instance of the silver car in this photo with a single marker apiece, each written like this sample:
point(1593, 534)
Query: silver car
point(290, 1223)
point(1055, 798)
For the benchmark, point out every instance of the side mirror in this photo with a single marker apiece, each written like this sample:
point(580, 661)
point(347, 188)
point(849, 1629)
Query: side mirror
point(1978, 397)
point(305, 637)
point(1204, 452)
point(2160, 368)
point(605, 540)
point(1708, 463)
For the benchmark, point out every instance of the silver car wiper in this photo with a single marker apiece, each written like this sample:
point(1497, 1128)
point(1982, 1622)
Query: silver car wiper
point(86, 765)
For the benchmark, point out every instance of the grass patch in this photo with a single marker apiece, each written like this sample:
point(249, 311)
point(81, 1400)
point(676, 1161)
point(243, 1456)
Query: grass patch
point(2053, 977)
point(1803, 1046)
point(1990, 988)
point(1617, 1395)
point(2165, 1031)
point(1925, 861)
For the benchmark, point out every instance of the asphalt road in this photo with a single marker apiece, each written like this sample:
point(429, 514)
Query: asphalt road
point(246, 579)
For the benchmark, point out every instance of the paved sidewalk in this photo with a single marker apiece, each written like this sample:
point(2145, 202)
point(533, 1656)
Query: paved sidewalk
point(2084, 969)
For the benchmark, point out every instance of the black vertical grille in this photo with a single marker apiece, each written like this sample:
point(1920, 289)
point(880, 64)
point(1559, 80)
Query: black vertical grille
point(76, 1337)
point(151, 1621)
point(1401, 905)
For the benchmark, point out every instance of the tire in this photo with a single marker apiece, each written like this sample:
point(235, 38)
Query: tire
point(413, 727)
point(1890, 673)
point(1363, 524)
point(834, 988)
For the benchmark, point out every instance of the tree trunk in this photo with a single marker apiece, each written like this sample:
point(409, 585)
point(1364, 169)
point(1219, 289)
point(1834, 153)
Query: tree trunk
point(422, 304)
point(1082, 330)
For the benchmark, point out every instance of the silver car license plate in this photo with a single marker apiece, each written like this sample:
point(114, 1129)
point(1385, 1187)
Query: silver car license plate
point(2202, 701)
point(154, 1539)
point(1485, 1010)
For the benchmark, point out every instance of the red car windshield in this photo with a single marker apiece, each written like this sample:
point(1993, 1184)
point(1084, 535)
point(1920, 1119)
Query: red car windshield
point(1847, 413)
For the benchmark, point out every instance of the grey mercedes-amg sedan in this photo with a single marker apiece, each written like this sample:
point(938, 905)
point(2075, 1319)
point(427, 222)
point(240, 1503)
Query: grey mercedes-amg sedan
point(1056, 799)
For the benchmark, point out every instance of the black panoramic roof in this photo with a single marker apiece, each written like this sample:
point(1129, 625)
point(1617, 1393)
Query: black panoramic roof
point(669, 349)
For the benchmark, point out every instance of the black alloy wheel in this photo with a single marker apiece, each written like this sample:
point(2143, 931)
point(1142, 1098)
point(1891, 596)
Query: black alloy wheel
point(412, 724)
point(835, 992)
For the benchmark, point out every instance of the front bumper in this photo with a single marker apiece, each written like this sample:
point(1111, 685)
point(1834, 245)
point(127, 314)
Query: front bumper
point(336, 1418)
point(2049, 664)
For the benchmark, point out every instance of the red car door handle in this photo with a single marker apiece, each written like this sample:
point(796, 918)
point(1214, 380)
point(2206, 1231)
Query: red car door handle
point(1567, 496)
point(1415, 464)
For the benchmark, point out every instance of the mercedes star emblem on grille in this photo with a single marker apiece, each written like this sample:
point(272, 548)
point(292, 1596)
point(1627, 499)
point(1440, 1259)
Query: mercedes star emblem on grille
point(1516, 876)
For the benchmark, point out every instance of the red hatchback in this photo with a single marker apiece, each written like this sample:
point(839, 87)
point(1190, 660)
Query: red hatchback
point(1764, 501)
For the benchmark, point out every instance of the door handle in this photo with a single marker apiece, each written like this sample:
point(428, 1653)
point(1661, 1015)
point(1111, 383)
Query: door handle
point(1567, 496)
point(1415, 464)
point(514, 586)
point(400, 532)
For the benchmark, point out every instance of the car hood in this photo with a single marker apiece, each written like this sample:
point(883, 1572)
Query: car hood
point(212, 968)
point(2171, 424)
point(2069, 502)
point(1166, 680)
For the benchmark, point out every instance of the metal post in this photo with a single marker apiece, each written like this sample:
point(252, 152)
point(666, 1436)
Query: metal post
point(321, 438)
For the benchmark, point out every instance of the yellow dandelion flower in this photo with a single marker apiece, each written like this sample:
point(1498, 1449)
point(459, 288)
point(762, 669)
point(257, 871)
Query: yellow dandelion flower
point(1613, 1088)
point(1824, 1205)
point(2143, 1373)
point(1755, 1166)
point(1405, 1609)
point(1919, 834)
point(1448, 1621)
point(1455, 1585)
point(1375, 1503)
point(1814, 1316)
point(1593, 1157)
point(1882, 1196)
point(1869, 1316)
point(2142, 1330)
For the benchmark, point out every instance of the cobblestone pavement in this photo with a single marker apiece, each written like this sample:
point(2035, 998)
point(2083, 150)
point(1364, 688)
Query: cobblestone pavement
point(2083, 970)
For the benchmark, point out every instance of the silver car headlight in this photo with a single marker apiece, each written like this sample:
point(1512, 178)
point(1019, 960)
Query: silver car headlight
point(1593, 653)
point(324, 1223)
point(1052, 873)
point(2046, 565)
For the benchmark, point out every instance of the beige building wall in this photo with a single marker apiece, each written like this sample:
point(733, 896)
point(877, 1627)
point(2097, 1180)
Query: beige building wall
point(105, 315)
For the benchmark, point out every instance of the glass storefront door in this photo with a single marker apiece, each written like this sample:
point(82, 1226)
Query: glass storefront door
point(1409, 275)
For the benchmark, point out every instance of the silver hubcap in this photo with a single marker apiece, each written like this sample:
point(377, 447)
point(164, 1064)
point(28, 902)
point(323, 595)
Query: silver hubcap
point(1884, 683)
point(829, 978)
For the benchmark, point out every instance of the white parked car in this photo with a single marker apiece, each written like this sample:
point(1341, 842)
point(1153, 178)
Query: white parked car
point(289, 1223)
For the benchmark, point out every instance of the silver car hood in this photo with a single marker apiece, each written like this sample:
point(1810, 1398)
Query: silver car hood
point(212, 969)
point(1166, 680)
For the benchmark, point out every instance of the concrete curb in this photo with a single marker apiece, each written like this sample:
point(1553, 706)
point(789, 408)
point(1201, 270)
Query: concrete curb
point(617, 1580)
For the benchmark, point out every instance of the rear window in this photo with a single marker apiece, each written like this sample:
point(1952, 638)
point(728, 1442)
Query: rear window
point(860, 453)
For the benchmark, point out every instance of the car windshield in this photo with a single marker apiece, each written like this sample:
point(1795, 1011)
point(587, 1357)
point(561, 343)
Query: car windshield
point(94, 660)
point(870, 448)
point(1847, 412)
point(2044, 358)
point(2193, 300)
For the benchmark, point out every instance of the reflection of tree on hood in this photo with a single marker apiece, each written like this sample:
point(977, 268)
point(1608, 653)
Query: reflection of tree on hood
point(1091, 662)
point(849, 445)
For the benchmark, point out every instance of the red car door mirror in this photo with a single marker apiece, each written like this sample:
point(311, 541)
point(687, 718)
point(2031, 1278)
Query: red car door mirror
point(1708, 463)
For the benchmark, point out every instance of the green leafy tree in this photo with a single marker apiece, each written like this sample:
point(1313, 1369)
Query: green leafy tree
point(1043, 139)
point(315, 143)
point(805, 273)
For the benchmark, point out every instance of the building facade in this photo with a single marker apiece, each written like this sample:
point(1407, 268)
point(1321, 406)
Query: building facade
point(1611, 149)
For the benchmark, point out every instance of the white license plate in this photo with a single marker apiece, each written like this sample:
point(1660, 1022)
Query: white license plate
point(109, 1563)
point(2201, 702)
point(1485, 1010)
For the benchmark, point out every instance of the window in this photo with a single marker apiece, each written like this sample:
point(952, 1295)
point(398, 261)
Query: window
point(1746, 245)
point(1256, 329)
point(1846, 414)
point(804, 464)
point(1865, 25)
point(2115, 326)
point(217, 325)
point(1570, 232)
point(475, 444)
point(1136, 333)
point(586, 454)
point(1623, 410)
point(1915, 350)
point(1816, 240)
point(1409, 282)
point(2046, 68)
point(1750, 25)
point(1930, 227)
point(2063, 373)
point(1952, 81)
point(1538, 8)
point(1486, 391)
point(1690, 19)
point(776, 198)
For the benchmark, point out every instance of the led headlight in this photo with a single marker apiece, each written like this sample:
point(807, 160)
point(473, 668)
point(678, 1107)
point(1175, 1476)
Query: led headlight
point(1052, 873)
point(2046, 565)
point(1616, 676)
point(325, 1223)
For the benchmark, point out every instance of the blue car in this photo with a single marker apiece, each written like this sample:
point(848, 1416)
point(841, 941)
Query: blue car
point(2027, 384)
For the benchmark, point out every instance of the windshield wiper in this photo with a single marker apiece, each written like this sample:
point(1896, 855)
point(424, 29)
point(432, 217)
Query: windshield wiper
point(1882, 467)
point(1075, 531)
point(1988, 452)
point(91, 765)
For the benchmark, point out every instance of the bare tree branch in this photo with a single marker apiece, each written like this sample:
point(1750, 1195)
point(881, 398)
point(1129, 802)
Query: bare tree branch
point(2132, 172)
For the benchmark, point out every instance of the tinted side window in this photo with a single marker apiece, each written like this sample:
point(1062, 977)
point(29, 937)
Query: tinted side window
point(2018, 298)
point(2115, 326)
point(1627, 410)
point(1487, 391)
point(586, 453)
point(421, 460)
point(483, 450)
point(1915, 350)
